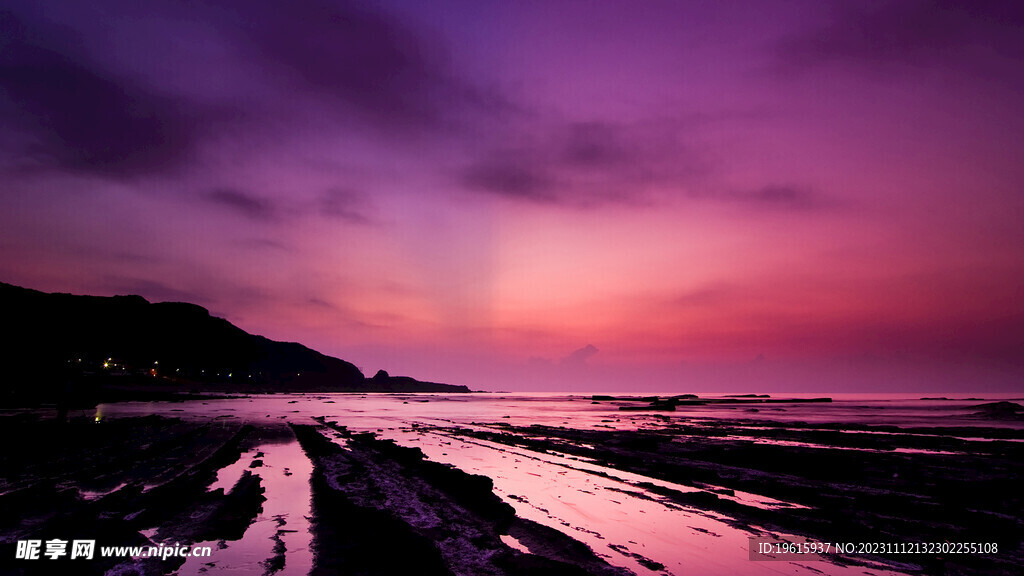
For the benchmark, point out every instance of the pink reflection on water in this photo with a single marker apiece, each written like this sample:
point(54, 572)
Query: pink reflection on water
point(285, 477)
point(611, 514)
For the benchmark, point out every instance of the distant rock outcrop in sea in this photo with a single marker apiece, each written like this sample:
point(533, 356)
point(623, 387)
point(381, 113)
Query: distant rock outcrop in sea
point(63, 344)
point(1000, 410)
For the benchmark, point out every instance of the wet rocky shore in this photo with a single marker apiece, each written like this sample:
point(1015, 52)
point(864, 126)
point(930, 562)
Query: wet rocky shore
point(279, 491)
point(113, 481)
point(826, 482)
point(373, 497)
point(377, 508)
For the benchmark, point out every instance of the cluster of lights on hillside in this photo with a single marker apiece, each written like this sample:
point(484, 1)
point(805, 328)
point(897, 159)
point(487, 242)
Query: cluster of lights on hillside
point(115, 366)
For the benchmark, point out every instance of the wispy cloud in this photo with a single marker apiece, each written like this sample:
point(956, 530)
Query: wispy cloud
point(889, 37)
point(579, 356)
point(595, 164)
point(244, 203)
point(779, 197)
point(710, 295)
point(513, 174)
point(345, 205)
point(588, 164)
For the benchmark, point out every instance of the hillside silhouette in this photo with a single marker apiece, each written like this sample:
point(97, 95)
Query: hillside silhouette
point(85, 347)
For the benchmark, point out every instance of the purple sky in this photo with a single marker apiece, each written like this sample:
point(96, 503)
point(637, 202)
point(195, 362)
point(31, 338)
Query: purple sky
point(686, 196)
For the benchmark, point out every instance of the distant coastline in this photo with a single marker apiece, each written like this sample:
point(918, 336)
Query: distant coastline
point(75, 350)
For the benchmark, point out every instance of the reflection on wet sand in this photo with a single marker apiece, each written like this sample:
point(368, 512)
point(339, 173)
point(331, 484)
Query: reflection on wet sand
point(489, 484)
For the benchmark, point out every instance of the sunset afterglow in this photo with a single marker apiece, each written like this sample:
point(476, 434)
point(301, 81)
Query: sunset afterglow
point(540, 195)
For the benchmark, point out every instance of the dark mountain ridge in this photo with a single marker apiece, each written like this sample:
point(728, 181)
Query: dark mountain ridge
point(61, 344)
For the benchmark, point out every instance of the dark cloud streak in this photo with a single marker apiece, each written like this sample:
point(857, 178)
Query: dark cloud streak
point(902, 36)
point(513, 174)
point(345, 205)
point(779, 197)
point(587, 164)
point(341, 205)
point(85, 119)
point(319, 67)
point(378, 69)
point(245, 204)
point(594, 164)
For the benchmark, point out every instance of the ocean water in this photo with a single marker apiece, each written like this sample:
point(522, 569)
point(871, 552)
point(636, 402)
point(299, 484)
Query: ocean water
point(367, 412)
